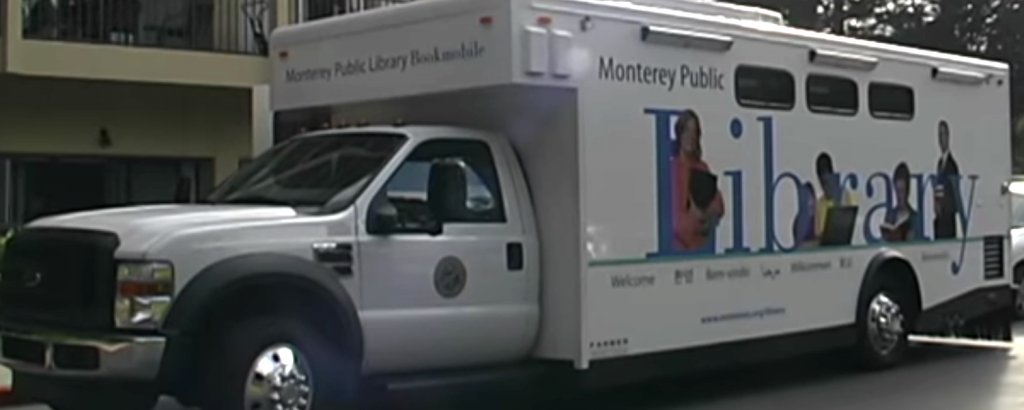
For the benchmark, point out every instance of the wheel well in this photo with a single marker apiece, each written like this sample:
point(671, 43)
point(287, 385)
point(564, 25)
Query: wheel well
point(905, 276)
point(253, 300)
point(260, 299)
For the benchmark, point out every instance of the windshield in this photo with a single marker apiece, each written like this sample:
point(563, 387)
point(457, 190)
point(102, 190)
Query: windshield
point(311, 171)
point(1017, 217)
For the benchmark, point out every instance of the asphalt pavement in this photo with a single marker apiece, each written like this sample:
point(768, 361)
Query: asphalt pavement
point(937, 377)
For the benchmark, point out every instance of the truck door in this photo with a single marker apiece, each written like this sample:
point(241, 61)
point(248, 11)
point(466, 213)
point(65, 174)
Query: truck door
point(442, 259)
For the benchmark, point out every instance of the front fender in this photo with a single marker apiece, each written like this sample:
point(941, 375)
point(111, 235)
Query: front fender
point(216, 282)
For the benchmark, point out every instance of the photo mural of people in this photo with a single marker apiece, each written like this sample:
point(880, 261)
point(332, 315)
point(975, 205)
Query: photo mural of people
point(830, 211)
point(900, 222)
point(697, 204)
point(833, 196)
point(945, 188)
point(803, 223)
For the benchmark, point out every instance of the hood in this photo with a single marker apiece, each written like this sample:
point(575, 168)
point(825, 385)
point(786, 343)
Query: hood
point(140, 226)
point(1017, 236)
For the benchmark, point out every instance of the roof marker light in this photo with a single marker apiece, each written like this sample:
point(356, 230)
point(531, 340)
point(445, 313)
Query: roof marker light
point(684, 38)
point(952, 75)
point(842, 60)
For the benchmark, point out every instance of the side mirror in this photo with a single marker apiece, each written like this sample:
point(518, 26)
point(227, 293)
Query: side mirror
point(382, 218)
point(432, 227)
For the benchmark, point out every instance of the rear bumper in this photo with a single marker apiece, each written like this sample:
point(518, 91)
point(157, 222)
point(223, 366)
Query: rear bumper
point(120, 357)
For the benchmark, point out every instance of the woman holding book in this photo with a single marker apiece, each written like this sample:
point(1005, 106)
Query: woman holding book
point(697, 204)
point(901, 219)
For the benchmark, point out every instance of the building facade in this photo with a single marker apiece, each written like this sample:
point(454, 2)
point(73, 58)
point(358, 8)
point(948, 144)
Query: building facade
point(112, 102)
point(115, 102)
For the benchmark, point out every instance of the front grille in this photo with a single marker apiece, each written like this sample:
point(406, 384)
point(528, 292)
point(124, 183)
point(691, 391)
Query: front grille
point(24, 350)
point(57, 355)
point(61, 278)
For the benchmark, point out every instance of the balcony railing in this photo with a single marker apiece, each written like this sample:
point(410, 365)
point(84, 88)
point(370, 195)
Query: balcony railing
point(225, 26)
point(306, 10)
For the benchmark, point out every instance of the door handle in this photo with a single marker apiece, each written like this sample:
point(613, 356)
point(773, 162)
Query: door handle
point(514, 256)
point(337, 256)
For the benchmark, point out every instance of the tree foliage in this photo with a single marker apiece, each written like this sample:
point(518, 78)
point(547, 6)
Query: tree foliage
point(992, 29)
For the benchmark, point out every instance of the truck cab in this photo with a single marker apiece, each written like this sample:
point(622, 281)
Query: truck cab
point(441, 216)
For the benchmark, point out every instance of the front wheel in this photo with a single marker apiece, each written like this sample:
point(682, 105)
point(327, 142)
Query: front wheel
point(882, 325)
point(271, 363)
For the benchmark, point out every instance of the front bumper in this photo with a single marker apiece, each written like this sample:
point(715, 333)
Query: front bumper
point(122, 357)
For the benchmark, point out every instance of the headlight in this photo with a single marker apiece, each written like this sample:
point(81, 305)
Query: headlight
point(144, 293)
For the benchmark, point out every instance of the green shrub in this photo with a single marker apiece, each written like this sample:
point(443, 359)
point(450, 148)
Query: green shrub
point(3, 241)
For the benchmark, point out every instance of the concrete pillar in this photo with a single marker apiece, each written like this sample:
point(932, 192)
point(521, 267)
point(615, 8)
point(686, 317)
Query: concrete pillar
point(262, 120)
point(10, 31)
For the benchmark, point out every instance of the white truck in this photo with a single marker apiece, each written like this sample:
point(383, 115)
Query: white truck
point(593, 189)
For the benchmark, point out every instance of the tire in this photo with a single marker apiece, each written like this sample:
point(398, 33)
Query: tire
point(883, 320)
point(322, 377)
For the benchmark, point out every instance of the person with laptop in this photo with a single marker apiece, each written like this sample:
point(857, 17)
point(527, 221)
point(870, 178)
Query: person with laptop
point(947, 205)
point(803, 223)
point(828, 228)
point(901, 220)
point(697, 204)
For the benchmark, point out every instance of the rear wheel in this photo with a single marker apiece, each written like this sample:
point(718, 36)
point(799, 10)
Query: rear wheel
point(882, 324)
point(278, 362)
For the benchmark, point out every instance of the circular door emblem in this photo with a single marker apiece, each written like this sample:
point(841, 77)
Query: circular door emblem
point(450, 277)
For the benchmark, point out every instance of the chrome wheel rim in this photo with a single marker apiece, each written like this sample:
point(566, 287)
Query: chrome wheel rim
point(279, 379)
point(885, 324)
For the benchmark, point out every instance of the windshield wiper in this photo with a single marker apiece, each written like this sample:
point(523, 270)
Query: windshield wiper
point(255, 199)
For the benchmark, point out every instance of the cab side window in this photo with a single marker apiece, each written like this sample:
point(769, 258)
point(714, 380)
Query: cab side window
point(448, 181)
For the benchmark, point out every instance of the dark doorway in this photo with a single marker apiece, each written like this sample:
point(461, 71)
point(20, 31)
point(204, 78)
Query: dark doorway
point(52, 187)
point(33, 186)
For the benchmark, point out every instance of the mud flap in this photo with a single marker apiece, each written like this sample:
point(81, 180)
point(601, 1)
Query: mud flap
point(984, 314)
point(995, 326)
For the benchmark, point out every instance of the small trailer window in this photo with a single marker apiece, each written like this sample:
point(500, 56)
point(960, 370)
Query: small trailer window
point(828, 94)
point(766, 88)
point(891, 101)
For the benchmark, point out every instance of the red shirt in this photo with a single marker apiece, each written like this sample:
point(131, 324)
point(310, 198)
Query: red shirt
point(687, 232)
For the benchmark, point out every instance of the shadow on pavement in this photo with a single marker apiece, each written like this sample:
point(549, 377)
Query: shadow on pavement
point(952, 378)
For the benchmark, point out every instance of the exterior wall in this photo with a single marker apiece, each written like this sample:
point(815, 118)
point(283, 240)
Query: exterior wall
point(69, 59)
point(52, 116)
point(110, 62)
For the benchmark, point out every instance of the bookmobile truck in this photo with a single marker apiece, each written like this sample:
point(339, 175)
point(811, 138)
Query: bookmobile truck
point(593, 189)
